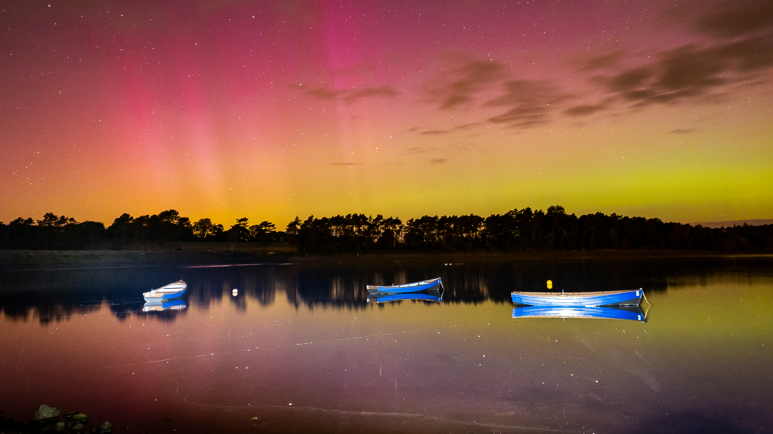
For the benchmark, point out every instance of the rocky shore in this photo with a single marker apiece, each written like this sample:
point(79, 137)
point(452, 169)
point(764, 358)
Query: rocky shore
point(48, 420)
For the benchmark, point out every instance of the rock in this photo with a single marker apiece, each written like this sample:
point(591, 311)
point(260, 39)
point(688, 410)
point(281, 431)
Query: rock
point(80, 418)
point(70, 414)
point(78, 427)
point(46, 414)
point(59, 427)
point(104, 428)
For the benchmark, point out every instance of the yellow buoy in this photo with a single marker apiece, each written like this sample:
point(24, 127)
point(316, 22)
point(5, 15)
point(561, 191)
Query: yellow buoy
point(550, 284)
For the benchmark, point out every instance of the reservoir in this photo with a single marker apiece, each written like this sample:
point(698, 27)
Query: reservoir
point(300, 347)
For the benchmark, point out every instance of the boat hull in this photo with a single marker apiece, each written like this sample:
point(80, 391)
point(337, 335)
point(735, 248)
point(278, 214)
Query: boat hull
point(166, 292)
point(406, 288)
point(579, 299)
point(633, 313)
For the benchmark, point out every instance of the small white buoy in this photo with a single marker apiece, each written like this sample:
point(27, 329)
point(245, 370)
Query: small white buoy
point(235, 292)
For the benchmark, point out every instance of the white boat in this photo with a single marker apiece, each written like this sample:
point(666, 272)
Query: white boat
point(166, 292)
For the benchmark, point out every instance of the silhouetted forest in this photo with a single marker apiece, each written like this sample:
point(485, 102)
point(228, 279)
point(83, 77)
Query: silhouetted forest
point(166, 229)
point(521, 230)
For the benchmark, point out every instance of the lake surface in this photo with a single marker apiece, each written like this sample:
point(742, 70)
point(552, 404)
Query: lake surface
point(301, 349)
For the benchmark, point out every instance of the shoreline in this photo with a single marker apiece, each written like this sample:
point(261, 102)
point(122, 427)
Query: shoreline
point(23, 260)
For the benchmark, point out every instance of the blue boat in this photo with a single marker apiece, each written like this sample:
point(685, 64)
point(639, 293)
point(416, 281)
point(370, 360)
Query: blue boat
point(166, 292)
point(632, 313)
point(407, 287)
point(158, 306)
point(579, 299)
point(424, 296)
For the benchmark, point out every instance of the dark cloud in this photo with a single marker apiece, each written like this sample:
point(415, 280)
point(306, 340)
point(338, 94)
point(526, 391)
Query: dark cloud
point(521, 117)
point(368, 92)
point(464, 83)
point(530, 103)
point(608, 60)
point(450, 130)
point(631, 79)
point(737, 52)
point(323, 93)
point(584, 110)
point(748, 55)
point(692, 71)
point(351, 95)
point(680, 73)
point(689, 69)
point(742, 19)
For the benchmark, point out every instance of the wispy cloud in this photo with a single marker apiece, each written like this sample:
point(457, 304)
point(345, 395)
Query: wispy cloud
point(739, 49)
point(528, 103)
point(354, 94)
point(450, 130)
point(584, 110)
point(737, 20)
point(603, 61)
point(460, 85)
point(692, 71)
point(726, 48)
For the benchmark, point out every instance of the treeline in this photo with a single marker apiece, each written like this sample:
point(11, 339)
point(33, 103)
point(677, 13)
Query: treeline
point(518, 231)
point(521, 230)
point(166, 229)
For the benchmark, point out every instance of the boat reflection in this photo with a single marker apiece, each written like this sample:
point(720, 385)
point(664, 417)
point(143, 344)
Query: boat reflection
point(631, 313)
point(157, 306)
point(434, 296)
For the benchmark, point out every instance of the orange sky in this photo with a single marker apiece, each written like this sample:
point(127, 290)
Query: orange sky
point(225, 110)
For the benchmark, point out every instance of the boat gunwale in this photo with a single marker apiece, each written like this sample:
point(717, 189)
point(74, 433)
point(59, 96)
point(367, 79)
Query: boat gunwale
point(573, 294)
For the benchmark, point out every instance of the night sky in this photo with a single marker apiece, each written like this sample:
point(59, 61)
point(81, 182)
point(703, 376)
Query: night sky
point(268, 110)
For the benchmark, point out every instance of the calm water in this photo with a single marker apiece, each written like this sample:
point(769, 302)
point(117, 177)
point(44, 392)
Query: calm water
point(300, 349)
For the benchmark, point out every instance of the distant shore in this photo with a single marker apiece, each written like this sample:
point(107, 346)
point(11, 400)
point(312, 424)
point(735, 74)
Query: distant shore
point(36, 259)
point(47, 259)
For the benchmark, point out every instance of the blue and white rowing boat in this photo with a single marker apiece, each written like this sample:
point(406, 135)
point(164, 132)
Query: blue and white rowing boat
point(407, 287)
point(579, 299)
point(166, 292)
point(632, 313)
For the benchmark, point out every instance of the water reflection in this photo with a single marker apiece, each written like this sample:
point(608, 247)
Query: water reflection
point(158, 306)
point(632, 313)
point(56, 295)
point(429, 296)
